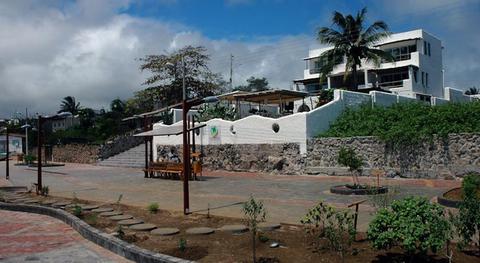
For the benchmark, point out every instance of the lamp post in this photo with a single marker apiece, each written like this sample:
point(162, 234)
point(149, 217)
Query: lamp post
point(26, 126)
point(7, 149)
point(41, 121)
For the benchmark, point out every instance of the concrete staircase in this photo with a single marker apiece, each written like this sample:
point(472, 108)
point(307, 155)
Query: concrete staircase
point(135, 157)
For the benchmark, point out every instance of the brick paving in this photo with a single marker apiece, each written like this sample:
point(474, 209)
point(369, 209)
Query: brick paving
point(287, 198)
point(38, 238)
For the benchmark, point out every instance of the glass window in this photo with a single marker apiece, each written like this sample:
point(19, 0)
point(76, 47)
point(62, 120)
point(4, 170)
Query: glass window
point(412, 48)
point(425, 47)
point(429, 54)
point(426, 79)
point(415, 72)
point(423, 78)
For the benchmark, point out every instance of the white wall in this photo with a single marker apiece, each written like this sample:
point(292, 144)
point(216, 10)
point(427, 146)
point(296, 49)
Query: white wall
point(15, 145)
point(295, 128)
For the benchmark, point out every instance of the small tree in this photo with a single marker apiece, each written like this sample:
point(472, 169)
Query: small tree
point(324, 221)
point(348, 157)
point(254, 214)
point(413, 223)
point(467, 223)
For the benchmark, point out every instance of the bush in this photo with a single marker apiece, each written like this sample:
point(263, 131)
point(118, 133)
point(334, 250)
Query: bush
point(254, 213)
point(325, 222)
point(182, 244)
point(153, 208)
point(406, 123)
point(77, 210)
point(29, 159)
point(413, 223)
point(348, 157)
point(45, 191)
point(218, 110)
point(467, 223)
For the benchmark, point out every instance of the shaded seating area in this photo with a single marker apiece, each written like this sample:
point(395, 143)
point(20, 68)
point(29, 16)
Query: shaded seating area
point(172, 168)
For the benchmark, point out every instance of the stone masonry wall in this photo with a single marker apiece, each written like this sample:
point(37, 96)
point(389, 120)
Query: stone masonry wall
point(275, 158)
point(441, 158)
point(75, 153)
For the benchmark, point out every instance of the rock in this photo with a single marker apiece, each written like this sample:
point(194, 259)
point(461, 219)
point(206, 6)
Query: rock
point(129, 222)
point(166, 231)
point(120, 217)
point(143, 227)
point(88, 207)
point(234, 228)
point(200, 231)
point(112, 213)
point(102, 209)
point(268, 226)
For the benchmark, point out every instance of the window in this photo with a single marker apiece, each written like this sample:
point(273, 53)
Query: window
point(429, 54)
point(423, 78)
point(425, 48)
point(415, 72)
point(426, 79)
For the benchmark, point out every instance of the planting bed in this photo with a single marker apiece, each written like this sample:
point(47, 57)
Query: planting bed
point(225, 246)
point(361, 190)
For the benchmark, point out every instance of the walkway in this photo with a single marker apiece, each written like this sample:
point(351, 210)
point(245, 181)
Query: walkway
point(287, 198)
point(26, 237)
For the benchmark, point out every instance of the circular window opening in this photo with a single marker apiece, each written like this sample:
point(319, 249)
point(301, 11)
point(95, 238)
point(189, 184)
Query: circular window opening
point(275, 127)
point(232, 130)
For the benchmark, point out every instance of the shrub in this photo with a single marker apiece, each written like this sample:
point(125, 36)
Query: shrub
point(467, 223)
point(218, 110)
point(153, 208)
point(77, 210)
point(413, 223)
point(29, 159)
point(182, 244)
point(45, 191)
point(91, 219)
point(406, 123)
point(120, 232)
point(348, 157)
point(324, 221)
point(254, 213)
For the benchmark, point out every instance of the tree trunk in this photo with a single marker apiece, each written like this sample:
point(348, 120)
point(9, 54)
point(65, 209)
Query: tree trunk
point(355, 81)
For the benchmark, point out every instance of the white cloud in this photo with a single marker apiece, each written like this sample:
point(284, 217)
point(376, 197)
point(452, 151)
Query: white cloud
point(89, 51)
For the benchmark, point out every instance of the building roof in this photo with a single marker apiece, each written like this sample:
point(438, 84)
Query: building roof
point(271, 96)
point(152, 113)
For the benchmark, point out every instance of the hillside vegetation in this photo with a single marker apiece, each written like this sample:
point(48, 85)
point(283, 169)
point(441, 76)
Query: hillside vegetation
point(407, 123)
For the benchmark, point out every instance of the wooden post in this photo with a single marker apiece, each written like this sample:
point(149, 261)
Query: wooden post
point(356, 204)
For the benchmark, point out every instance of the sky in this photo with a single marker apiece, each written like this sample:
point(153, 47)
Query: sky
point(89, 49)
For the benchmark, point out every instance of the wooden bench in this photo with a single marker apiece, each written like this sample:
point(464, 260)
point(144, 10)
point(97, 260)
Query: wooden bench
point(165, 169)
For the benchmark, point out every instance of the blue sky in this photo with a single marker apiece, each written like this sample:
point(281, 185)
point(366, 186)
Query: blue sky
point(90, 48)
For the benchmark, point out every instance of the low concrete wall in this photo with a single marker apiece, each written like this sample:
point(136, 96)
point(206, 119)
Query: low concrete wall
point(105, 240)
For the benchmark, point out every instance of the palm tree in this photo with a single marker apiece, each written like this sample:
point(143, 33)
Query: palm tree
point(472, 91)
point(351, 39)
point(69, 105)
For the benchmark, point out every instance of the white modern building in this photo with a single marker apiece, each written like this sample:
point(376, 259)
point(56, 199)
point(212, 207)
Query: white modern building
point(15, 144)
point(417, 71)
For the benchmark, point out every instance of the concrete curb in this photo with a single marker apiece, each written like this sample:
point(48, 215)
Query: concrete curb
point(102, 239)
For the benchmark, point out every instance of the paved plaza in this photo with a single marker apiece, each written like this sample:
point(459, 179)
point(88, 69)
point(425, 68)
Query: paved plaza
point(26, 237)
point(287, 198)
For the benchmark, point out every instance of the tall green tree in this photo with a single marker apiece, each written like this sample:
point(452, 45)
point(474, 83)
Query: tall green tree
point(117, 106)
point(165, 83)
point(472, 91)
point(352, 39)
point(69, 105)
point(254, 84)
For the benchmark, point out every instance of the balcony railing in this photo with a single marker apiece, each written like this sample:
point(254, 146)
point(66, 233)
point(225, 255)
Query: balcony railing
point(391, 84)
point(314, 70)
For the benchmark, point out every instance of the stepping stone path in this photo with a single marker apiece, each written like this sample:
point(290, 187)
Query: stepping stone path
point(21, 200)
point(143, 227)
point(130, 222)
point(120, 217)
point(167, 231)
point(102, 209)
point(30, 201)
point(49, 202)
point(61, 203)
point(111, 213)
point(88, 207)
point(200, 231)
point(235, 229)
point(268, 226)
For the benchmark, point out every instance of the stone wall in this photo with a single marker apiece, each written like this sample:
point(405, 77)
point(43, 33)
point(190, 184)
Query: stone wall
point(75, 153)
point(276, 158)
point(118, 144)
point(441, 158)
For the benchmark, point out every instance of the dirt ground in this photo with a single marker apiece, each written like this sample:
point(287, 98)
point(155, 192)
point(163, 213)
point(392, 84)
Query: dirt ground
point(227, 247)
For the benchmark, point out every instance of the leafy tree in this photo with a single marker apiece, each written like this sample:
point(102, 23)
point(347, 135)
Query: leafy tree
point(254, 214)
point(165, 84)
point(69, 105)
point(254, 84)
point(348, 157)
point(472, 91)
point(118, 106)
point(351, 38)
point(218, 110)
point(414, 224)
point(467, 222)
point(324, 97)
point(87, 117)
